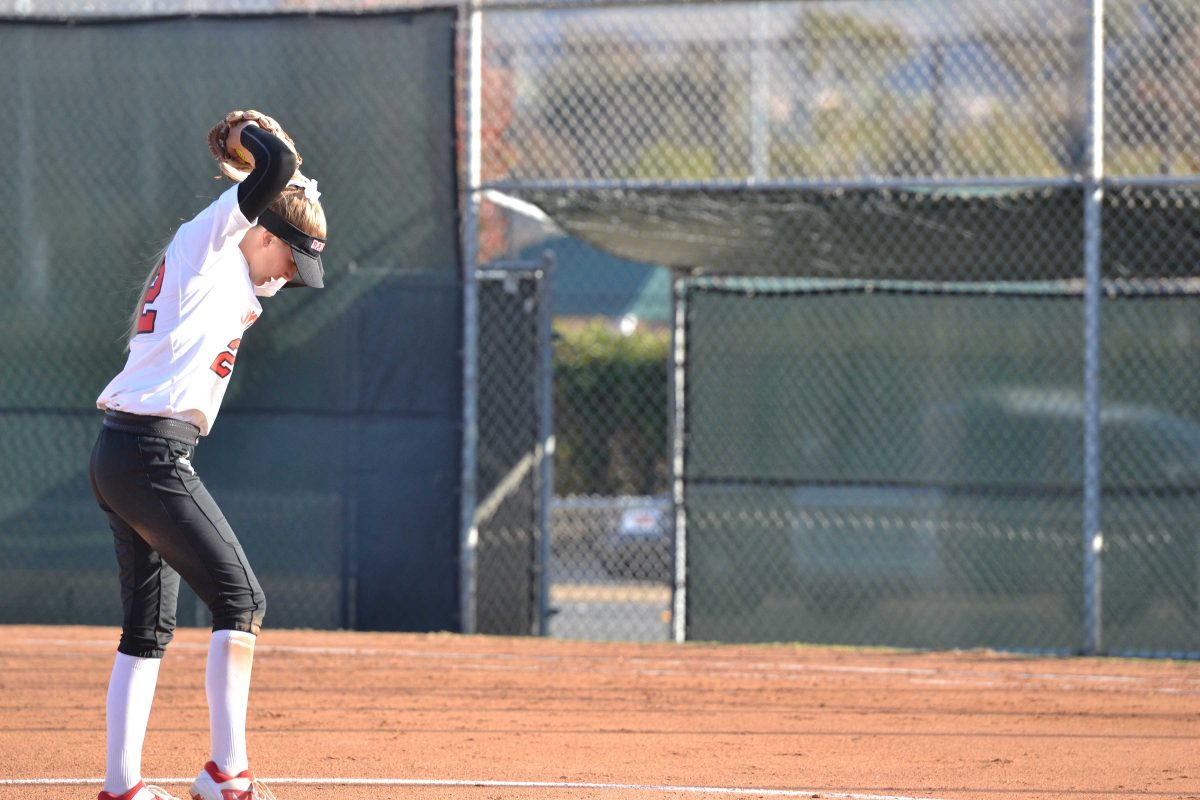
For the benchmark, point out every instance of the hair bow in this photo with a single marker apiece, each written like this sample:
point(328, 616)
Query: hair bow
point(309, 185)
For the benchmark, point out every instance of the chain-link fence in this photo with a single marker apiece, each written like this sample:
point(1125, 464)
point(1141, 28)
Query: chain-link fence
point(946, 399)
point(665, 93)
point(513, 424)
point(872, 319)
point(834, 89)
point(613, 529)
point(341, 423)
point(608, 556)
point(868, 464)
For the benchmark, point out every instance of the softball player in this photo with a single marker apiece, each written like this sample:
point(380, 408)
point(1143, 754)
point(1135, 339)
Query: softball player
point(186, 332)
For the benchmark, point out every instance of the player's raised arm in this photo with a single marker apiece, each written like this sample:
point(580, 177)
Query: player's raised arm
point(274, 165)
point(253, 149)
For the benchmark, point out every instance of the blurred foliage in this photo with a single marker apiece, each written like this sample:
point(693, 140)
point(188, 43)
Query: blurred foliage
point(670, 161)
point(610, 410)
point(852, 94)
point(1152, 87)
point(829, 34)
point(608, 102)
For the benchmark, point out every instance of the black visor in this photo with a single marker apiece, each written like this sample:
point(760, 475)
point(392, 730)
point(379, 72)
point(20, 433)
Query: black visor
point(306, 249)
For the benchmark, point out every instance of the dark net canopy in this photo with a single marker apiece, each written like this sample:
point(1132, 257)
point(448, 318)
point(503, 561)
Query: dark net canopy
point(1034, 234)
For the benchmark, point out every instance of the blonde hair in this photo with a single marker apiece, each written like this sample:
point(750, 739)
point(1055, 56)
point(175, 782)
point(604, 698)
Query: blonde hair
point(298, 210)
point(292, 205)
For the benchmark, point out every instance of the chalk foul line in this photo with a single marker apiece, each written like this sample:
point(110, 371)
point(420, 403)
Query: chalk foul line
point(720, 790)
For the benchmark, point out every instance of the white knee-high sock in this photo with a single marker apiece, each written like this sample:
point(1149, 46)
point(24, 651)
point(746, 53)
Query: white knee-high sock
point(130, 695)
point(227, 683)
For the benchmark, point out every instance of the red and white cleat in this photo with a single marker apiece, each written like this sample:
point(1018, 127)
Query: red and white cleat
point(140, 792)
point(212, 784)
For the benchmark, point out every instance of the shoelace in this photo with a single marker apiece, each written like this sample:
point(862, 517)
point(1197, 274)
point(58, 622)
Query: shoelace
point(161, 793)
point(259, 791)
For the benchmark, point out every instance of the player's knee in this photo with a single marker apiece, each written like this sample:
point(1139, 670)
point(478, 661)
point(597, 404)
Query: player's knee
point(241, 612)
point(145, 642)
point(259, 612)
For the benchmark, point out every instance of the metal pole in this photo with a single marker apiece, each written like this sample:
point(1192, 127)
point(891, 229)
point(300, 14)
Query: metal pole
point(1093, 539)
point(350, 561)
point(678, 432)
point(760, 95)
point(937, 122)
point(32, 250)
point(545, 437)
point(523, 187)
point(471, 17)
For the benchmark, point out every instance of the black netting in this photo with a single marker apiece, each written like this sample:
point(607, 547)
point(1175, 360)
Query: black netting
point(508, 505)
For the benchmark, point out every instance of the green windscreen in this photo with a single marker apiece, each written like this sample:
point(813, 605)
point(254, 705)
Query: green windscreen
point(903, 463)
point(341, 424)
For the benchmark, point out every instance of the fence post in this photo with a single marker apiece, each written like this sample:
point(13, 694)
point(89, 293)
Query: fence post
point(471, 18)
point(545, 436)
point(1093, 538)
point(677, 419)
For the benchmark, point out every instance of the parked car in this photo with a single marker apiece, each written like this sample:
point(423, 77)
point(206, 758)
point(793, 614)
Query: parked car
point(831, 548)
point(1023, 448)
point(641, 542)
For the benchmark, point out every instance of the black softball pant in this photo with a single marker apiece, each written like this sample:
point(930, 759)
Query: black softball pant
point(165, 525)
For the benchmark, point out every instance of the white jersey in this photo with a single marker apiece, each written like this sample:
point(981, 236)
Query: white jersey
point(191, 322)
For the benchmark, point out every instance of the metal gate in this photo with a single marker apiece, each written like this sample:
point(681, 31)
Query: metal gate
point(513, 470)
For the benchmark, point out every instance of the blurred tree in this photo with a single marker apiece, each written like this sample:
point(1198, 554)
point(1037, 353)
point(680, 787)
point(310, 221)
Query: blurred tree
point(617, 104)
point(498, 154)
point(830, 35)
point(666, 159)
point(1153, 90)
point(610, 411)
point(880, 100)
point(854, 124)
point(1043, 133)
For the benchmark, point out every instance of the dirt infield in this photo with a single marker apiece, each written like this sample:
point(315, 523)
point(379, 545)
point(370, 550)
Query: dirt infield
point(478, 718)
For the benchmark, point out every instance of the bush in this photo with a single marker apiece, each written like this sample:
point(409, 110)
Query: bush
point(610, 411)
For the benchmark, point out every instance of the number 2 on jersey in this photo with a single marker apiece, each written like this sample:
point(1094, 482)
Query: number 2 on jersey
point(223, 363)
point(146, 317)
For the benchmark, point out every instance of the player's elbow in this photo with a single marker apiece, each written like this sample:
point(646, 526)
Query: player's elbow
point(288, 162)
